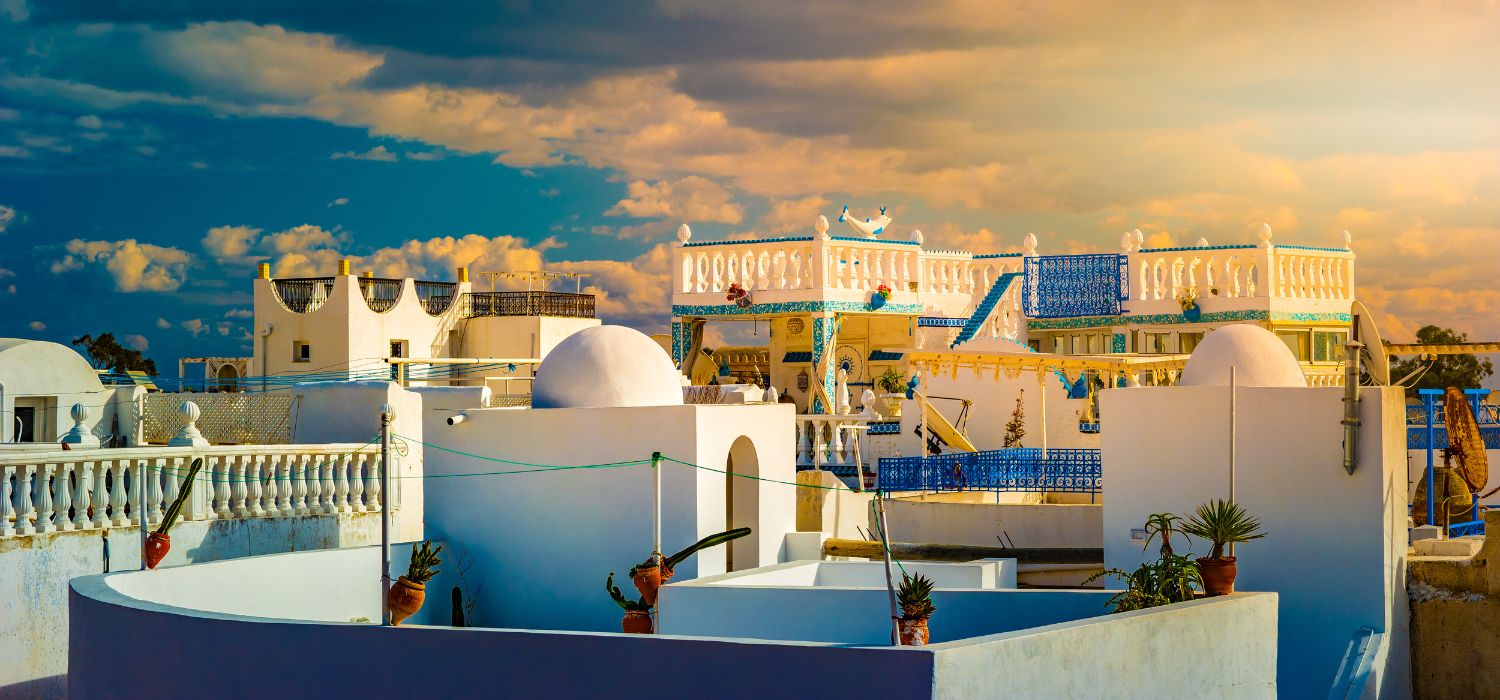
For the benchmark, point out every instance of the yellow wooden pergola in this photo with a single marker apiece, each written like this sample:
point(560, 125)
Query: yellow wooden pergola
point(1012, 363)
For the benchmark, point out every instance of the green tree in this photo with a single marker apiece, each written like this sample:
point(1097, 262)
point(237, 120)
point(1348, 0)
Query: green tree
point(104, 352)
point(1462, 371)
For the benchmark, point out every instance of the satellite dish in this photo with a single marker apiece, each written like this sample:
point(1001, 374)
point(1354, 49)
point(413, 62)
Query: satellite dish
point(1375, 359)
point(1465, 446)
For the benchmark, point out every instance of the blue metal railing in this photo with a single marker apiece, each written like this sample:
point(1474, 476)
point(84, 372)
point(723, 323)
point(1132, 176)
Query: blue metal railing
point(1023, 469)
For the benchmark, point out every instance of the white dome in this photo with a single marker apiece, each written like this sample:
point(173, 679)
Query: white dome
point(1258, 356)
point(603, 367)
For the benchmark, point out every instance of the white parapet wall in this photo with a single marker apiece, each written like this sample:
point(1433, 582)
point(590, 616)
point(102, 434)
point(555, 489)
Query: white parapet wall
point(1336, 546)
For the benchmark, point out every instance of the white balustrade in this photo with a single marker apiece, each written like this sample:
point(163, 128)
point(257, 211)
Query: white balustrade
point(823, 443)
point(59, 491)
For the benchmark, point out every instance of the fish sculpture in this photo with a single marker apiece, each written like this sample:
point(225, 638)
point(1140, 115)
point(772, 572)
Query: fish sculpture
point(869, 228)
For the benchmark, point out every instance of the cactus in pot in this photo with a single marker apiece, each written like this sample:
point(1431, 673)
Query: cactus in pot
point(649, 575)
point(637, 612)
point(915, 599)
point(407, 593)
point(158, 543)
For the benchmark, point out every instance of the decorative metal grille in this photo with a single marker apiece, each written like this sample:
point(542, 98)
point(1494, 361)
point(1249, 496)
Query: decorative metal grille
point(436, 296)
point(1013, 469)
point(226, 419)
point(528, 304)
point(303, 294)
point(380, 294)
point(1066, 286)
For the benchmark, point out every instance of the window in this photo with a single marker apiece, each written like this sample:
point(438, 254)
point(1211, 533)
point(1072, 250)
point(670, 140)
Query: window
point(1096, 344)
point(398, 348)
point(1078, 345)
point(1297, 342)
point(1329, 346)
point(1153, 343)
point(1187, 341)
point(301, 351)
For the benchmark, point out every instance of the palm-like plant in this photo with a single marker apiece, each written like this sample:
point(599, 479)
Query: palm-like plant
point(915, 597)
point(1222, 523)
point(891, 381)
point(1163, 524)
point(1172, 579)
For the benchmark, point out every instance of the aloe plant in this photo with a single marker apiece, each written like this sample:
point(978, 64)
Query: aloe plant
point(1170, 579)
point(713, 540)
point(170, 517)
point(1164, 524)
point(1222, 523)
point(625, 604)
point(423, 559)
point(915, 597)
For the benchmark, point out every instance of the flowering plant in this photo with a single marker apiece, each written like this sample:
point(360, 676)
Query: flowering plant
point(735, 292)
point(884, 292)
point(1189, 298)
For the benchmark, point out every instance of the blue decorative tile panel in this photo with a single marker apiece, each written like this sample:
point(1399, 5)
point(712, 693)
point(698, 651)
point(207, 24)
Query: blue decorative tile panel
point(679, 343)
point(1117, 343)
point(1065, 286)
point(1052, 324)
point(940, 322)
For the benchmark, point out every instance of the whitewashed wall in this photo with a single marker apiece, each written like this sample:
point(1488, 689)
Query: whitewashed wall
point(1337, 543)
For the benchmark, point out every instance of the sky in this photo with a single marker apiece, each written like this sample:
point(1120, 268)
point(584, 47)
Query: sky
point(152, 152)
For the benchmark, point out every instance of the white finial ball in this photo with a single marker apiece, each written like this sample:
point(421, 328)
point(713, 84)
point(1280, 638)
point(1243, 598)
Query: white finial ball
point(1348, 240)
point(189, 411)
point(1202, 242)
point(388, 411)
point(821, 225)
point(684, 234)
point(916, 236)
point(1127, 242)
point(1264, 234)
point(1139, 237)
point(79, 412)
point(1029, 244)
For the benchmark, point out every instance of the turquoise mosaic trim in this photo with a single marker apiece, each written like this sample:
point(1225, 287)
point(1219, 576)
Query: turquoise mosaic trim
point(1183, 249)
point(1050, 324)
point(787, 239)
point(1318, 248)
point(824, 331)
point(1117, 343)
point(891, 241)
point(940, 322)
point(791, 307)
point(988, 256)
point(679, 343)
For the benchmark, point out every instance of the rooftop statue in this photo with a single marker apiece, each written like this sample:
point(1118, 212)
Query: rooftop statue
point(869, 228)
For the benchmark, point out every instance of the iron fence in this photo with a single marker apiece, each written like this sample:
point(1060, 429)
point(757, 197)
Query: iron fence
point(528, 304)
point(303, 294)
point(1023, 469)
point(380, 294)
point(436, 296)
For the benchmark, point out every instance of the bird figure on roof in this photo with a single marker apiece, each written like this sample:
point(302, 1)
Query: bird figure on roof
point(869, 228)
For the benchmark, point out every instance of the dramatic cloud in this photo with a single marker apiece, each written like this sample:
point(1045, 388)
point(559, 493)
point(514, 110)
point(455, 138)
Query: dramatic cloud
point(135, 267)
point(341, 201)
point(378, 153)
point(195, 326)
point(229, 243)
point(137, 342)
point(690, 198)
point(7, 215)
point(163, 323)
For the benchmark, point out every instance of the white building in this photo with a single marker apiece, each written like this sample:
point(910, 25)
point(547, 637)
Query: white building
point(41, 382)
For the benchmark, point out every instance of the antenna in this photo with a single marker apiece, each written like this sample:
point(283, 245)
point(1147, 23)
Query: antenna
point(1373, 350)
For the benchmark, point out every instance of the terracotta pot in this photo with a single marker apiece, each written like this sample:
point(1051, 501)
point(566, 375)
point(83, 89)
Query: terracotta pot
point(405, 599)
point(914, 632)
point(648, 580)
point(157, 546)
point(1218, 575)
point(636, 622)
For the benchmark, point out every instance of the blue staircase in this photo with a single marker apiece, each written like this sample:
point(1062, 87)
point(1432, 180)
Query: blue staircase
point(985, 308)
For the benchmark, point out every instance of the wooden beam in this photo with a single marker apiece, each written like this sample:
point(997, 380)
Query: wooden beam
point(867, 549)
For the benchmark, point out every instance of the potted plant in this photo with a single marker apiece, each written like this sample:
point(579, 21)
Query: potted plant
point(407, 593)
point(158, 543)
point(915, 599)
point(1189, 303)
point(649, 575)
point(880, 297)
point(1163, 524)
point(738, 295)
point(637, 612)
point(893, 383)
point(1174, 578)
point(1222, 523)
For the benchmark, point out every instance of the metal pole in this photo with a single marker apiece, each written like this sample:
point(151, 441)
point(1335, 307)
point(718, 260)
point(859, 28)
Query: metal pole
point(1042, 398)
point(387, 413)
point(1431, 497)
point(656, 525)
point(1232, 387)
point(890, 587)
point(140, 496)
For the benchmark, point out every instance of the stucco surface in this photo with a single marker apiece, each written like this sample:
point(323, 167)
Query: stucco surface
point(606, 367)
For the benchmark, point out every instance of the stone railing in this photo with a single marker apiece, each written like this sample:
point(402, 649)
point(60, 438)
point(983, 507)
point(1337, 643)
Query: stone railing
point(832, 442)
point(1323, 374)
point(43, 492)
point(1242, 277)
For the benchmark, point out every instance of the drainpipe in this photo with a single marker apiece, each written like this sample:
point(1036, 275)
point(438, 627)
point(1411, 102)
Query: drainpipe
point(1351, 406)
point(264, 350)
point(3, 421)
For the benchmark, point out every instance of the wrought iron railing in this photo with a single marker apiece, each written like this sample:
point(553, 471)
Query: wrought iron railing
point(380, 293)
point(1013, 469)
point(528, 304)
point(436, 296)
point(303, 294)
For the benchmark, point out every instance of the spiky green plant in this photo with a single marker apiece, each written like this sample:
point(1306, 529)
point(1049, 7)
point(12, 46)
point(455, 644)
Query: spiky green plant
point(891, 381)
point(1171, 579)
point(183, 493)
point(915, 597)
point(625, 604)
point(423, 559)
point(1222, 523)
point(713, 540)
point(1163, 524)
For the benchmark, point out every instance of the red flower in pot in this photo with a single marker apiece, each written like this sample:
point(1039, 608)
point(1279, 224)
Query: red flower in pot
point(158, 543)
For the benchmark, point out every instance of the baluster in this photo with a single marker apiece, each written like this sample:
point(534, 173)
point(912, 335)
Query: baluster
point(25, 511)
point(117, 516)
point(171, 476)
point(253, 506)
point(151, 471)
point(312, 474)
point(326, 499)
point(273, 499)
point(62, 488)
point(44, 499)
point(820, 445)
point(357, 483)
point(6, 511)
point(220, 504)
point(372, 484)
point(837, 451)
point(297, 473)
point(99, 495)
point(82, 473)
point(235, 472)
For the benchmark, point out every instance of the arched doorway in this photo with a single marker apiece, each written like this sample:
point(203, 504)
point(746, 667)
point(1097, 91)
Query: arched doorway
point(742, 504)
point(228, 377)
